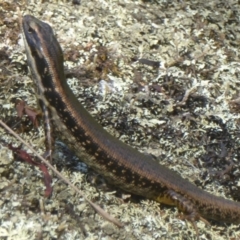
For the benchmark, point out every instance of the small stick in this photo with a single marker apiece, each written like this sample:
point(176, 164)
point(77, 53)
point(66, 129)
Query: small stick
point(97, 208)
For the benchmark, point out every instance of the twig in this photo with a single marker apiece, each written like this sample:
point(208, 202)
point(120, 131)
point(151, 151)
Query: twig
point(93, 205)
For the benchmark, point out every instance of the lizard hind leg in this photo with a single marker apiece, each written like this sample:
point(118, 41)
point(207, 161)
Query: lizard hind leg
point(184, 205)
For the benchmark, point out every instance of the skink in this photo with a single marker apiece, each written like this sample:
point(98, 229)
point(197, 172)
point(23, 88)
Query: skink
point(119, 163)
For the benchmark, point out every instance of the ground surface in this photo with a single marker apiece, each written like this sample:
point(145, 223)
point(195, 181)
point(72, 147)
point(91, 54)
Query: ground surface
point(179, 102)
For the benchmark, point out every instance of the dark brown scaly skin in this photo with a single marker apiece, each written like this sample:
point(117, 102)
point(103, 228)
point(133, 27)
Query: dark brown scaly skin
point(119, 163)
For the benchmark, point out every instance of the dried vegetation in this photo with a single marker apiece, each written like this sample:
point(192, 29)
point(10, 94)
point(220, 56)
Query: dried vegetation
point(179, 102)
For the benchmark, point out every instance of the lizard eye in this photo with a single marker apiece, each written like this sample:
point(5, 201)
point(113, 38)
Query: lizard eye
point(30, 30)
